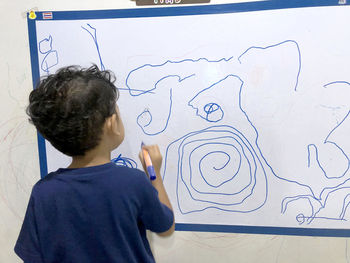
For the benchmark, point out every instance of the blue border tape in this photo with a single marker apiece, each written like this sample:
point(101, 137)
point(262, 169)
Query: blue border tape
point(290, 231)
point(187, 10)
point(42, 156)
point(34, 58)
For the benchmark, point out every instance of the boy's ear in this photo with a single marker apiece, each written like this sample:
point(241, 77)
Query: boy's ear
point(113, 124)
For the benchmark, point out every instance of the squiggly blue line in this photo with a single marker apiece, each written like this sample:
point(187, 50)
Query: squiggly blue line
point(94, 38)
point(49, 39)
point(156, 84)
point(44, 62)
point(149, 113)
point(313, 213)
point(285, 203)
point(224, 182)
point(336, 188)
point(325, 200)
point(124, 161)
point(44, 65)
point(345, 207)
point(317, 160)
point(160, 65)
point(170, 105)
point(300, 218)
point(336, 145)
point(135, 90)
point(275, 45)
point(208, 109)
point(256, 162)
point(336, 82)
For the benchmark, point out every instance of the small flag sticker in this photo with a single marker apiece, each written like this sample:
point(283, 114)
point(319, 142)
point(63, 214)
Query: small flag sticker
point(47, 15)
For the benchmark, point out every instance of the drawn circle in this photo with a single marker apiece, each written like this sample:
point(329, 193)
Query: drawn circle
point(213, 112)
point(300, 219)
point(144, 119)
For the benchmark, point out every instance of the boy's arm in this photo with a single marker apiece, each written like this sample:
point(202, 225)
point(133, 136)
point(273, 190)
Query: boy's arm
point(163, 198)
point(156, 158)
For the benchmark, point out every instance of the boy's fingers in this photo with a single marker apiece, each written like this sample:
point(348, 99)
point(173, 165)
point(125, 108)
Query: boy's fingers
point(142, 161)
point(148, 147)
point(156, 149)
point(152, 149)
point(155, 154)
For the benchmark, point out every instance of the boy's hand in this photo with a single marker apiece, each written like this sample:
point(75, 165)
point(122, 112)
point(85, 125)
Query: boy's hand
point(156, 157)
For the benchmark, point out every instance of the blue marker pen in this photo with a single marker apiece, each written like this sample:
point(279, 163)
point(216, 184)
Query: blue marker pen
point(148, 162)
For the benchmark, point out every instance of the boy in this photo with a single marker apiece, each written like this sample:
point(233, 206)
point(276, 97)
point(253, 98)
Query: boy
point(93, 211)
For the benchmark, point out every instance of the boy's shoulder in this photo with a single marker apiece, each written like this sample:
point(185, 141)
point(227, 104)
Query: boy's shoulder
point(111, 174)
point(130, 176)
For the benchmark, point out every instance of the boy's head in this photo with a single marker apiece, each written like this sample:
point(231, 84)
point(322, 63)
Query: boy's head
point(71, 108)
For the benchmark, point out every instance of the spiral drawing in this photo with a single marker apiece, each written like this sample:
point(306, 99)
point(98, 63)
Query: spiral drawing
point(218, 168)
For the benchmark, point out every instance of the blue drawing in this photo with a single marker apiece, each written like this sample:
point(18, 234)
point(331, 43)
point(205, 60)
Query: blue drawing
point(150, 86)
point(124, 161)
point(293, 42)
point(346, 203)
point(319, 201)
point(336, 82)
point(211, 111)
point(145, 118)
point(213, 155)
point(224, 167)
point(148, 115)
point(92, 32)
point(301, 218)
point(51, 56)
point(243, 192)
point(45, 45)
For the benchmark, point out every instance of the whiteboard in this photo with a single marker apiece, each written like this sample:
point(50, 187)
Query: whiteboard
point(249, 104)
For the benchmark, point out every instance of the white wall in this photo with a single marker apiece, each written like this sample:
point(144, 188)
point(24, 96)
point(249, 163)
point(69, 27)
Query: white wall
point(19, 164)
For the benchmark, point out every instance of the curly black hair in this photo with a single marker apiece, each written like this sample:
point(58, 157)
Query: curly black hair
point(69, 108)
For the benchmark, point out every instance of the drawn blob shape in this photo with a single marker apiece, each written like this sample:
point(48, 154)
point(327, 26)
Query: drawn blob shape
point(45, 45)
point(49, 61)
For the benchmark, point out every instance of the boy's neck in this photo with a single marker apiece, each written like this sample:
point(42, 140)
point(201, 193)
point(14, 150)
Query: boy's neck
point(92, 158)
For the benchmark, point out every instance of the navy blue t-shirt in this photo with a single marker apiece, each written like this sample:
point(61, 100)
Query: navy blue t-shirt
point(95, 214)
